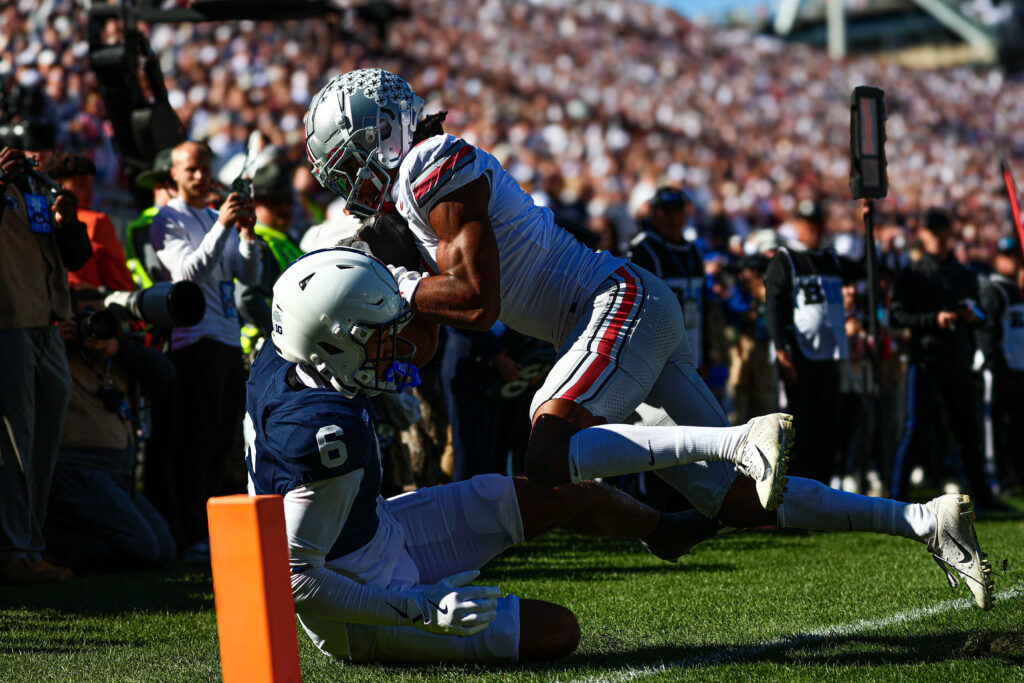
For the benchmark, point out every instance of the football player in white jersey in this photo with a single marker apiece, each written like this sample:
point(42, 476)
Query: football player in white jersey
point(385, 580)
point(487, 250)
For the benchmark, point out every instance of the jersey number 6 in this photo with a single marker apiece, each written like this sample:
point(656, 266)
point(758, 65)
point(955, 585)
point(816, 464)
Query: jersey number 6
point(333, 451)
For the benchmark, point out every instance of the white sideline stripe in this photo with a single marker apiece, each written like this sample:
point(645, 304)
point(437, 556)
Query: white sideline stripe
point(824, 633)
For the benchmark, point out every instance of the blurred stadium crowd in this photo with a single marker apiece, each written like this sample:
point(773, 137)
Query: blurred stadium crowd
point(593, 106)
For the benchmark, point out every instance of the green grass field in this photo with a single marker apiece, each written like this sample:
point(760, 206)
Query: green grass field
point(759, 605)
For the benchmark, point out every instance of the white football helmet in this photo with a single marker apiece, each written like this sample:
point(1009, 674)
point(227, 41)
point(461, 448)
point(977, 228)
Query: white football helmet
point(358, 128)
point(327, 304)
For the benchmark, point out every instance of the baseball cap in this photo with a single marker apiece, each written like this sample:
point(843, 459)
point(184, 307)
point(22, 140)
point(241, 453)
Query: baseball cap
point(272, 182)
point(668, 196)
point(161, 170)
point(809, 210)
point(762, 241)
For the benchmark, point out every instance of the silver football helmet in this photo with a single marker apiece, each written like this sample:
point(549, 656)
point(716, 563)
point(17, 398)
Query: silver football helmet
point(327, 305)
point(358, 129)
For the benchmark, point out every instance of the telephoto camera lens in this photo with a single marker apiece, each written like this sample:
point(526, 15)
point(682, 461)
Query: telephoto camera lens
point(165, 304)
point(96, 324)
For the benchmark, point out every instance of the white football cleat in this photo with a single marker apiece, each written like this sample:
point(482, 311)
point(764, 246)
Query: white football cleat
point(764, 456)
point(955, 544)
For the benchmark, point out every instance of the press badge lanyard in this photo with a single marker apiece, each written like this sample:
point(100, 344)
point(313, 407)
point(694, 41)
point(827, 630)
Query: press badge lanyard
point(38, 211)
point(227, 288)
point(107, 382)
point(104, 378)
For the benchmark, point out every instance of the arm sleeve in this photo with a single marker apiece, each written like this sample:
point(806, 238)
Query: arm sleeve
point(904, 300)
point(314, 514)
point(170, 240)
point(246, 265)
point(73, 244)
point(778, 292)
point(323, 592)
point(112, 266)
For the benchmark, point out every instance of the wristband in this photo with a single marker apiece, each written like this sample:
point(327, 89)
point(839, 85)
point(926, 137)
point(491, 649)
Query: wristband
point(407, 287)
point(407, 280)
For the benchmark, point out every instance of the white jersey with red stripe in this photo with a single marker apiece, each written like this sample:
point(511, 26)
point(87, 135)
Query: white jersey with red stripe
point(546, 274)
point(619, 330)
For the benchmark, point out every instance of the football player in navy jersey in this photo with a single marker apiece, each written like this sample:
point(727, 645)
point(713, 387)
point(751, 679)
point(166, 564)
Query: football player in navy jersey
point(387, 580)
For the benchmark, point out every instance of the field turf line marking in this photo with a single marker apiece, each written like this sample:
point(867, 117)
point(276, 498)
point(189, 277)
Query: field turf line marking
point(732, 654)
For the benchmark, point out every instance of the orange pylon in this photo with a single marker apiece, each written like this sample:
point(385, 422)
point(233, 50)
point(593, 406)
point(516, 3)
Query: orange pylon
point(252, 589)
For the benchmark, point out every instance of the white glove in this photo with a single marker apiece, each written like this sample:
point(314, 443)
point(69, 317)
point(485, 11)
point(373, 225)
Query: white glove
point(451, 609)
point(407, 281)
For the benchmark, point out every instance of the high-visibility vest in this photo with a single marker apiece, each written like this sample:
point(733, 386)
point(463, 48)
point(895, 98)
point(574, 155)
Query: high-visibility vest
point(284, 251)
point(281, 246)
point(135, 266)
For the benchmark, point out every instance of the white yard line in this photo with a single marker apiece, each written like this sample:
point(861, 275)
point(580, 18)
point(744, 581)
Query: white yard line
point(730, 654)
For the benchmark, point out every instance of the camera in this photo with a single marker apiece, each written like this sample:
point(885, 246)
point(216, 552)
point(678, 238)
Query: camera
point(95, 324)
point(756, 262)
point(242, 186)
point(164, 305)
point(112, 399)
point(40, 183)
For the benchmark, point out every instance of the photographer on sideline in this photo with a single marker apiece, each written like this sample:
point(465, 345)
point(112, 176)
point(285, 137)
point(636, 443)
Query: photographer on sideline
point(40, 239)
point(197, 243)
point(932, 298)
point(96, 518)
point(273, 202)
point(752, 375)
point(106, 267)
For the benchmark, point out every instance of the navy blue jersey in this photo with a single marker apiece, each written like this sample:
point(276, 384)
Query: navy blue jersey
point(301, 436)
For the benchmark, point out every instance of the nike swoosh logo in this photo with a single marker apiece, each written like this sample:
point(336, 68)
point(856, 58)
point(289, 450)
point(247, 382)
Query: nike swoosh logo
point(404, 615)
point(442, 610)
point(767, 465)
point(651, 451)
point(966, 553)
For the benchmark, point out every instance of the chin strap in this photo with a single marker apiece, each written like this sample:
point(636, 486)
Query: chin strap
point(401, 370)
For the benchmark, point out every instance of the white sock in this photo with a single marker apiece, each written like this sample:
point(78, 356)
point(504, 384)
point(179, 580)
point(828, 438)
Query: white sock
point(611, 450)
point(812, 505)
